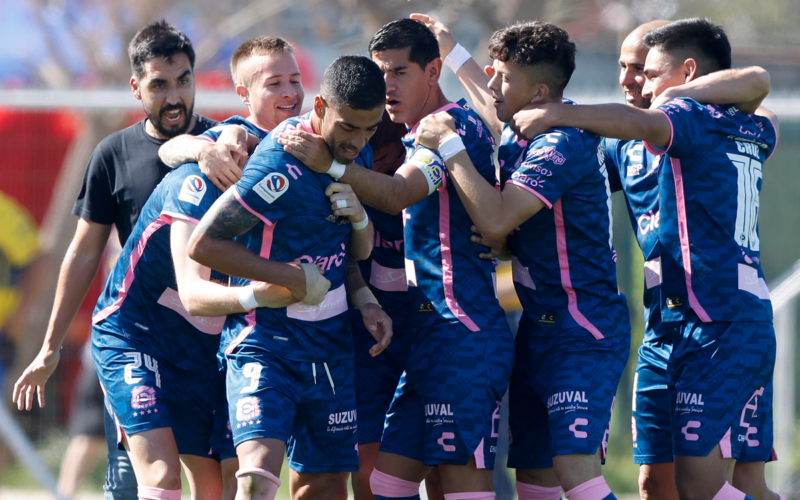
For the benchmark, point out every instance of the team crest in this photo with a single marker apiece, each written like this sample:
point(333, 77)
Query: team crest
point(143, 397)
point(248, 408)
point(272, 187)
point(193, 190)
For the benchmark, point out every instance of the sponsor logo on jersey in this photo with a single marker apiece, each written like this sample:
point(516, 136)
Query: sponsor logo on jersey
point(689, 398)
point(272, 187)
point(674, 302)
point(446, 436)
point(143, 397)
point(548, 153)
point(649, 222)
point(547, 319)
point(248, 408)
point(193, 190)
point(434, 410)
point(344, 417)
point(567, 397)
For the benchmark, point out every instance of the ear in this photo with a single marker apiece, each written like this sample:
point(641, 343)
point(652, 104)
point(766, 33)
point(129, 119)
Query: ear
point(489, 70)
point(542, 92)
point(690, 70)
point(241, 91)
point(137, 92)
point(434, 71)
point(320, 106)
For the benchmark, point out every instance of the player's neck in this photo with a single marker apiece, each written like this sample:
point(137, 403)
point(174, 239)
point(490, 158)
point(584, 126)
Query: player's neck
point(316, 124)
point(436, 100)
point(152, 132)
point(254, 120)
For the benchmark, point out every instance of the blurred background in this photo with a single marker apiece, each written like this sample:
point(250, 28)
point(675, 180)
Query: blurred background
point(64, 76)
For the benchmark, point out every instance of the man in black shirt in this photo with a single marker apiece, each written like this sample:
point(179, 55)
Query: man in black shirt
point(123, 171)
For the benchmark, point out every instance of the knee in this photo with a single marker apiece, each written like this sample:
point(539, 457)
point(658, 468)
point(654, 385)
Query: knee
point(321, 485)
point(164, 477)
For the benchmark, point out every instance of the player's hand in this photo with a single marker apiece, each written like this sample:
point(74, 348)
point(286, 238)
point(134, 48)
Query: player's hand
point(345, 202)
point(662, 99)
point(34, 377)
point(311, 149)
point(236, 139)
point(446, 39)
point(533, 120)
point(273, 296)
point(299, 288)
point(433, 128)
point(498, 249)
point(219, 163)
point(379, 324)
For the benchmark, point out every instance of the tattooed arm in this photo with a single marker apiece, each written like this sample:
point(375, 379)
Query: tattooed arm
point(212, 245)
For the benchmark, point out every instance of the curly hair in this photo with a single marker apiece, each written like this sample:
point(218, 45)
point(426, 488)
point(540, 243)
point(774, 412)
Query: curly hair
point(543, 47)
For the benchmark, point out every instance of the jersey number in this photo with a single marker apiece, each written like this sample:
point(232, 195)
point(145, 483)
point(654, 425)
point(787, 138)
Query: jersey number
point(749, 173)
point(253, 372)
point(149, 363)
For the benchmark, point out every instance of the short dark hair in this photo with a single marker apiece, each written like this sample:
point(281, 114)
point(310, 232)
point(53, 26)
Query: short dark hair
point(543, 47)
point(158, 39)
point(353, 81)
point(697, 38)
point(261, 45)
point(401, 33)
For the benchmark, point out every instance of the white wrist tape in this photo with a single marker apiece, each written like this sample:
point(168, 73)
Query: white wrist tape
point(450, 146)
point(247, 297)
point(316, 284)
point(429, 164)
point(337, 170)
point(361, 225)
point(457, 57)
point(363, 296)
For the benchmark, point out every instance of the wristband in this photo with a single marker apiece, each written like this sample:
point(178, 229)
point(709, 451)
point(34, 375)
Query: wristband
point(450, 146)
point(247, 298)
point(337, 170)
point(316, 284)
point(361, 225)
point(363, 296)
point(457, 57)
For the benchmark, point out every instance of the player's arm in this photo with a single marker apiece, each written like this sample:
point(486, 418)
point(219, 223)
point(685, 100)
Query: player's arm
point(474, 78)
point(378, 323)
point(494, 213)
point(212, 245)
point(390, 194)
point(202, 297)
point(608, 120)
point(745, 88)
point(345, 203)
point(219, 161)
point(78, 270)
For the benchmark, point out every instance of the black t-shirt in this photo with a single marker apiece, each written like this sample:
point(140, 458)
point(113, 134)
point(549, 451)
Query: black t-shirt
point(123, 172)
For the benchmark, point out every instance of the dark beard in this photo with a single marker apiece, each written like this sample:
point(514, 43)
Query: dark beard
point(157, 121)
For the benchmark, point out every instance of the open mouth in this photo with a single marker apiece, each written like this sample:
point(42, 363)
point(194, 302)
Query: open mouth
point(392, 104)
point(173, 116)
point(287, 108)
point(350, 154)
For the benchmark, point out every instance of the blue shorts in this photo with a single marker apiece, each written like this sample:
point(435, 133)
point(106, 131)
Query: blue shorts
point(722, 374)
point(146, 392)
point(650, 418)
point(377, 378)
point(309, 406)
point(447, 406)
point(222, 435)
point(562, 394)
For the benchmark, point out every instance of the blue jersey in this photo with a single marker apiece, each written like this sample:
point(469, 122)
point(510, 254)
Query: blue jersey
point(140, 302)
point(297, 225)
point(447, 280)
point(384, 270)
point(564, 264)
point(213, 133)
point(709, 199)
point(634, 170)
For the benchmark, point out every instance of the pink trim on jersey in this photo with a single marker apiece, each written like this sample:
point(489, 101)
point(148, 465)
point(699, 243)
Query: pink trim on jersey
point(129, 275)
point(658, 150)
point(170, 216)
point(773, 456)
point(480, 460)
point(683, 234)
point(334, 304)
point(211, 325)
point(245, 205)
point(209, 139)
point(528, 188)
point(566, 280)
point(249, 119)
point(447, 263)
point(725, 445)
point(306, 124)
point(446, 107)
point(388, 279)
point(266, 249)
point(775, 146)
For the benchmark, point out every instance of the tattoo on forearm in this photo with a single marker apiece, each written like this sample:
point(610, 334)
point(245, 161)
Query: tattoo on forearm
point(227, 218)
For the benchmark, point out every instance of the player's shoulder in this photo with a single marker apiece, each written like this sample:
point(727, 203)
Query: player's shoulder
point(468, 122)
point(365, 157)
point(187, 183)
point(114, 142)
point(686, 105)
point(202, 123)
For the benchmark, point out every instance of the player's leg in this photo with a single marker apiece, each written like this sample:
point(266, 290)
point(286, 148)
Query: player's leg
point(749, 478)
point(204, 476)
point(657, 481)
point(229, 467)
point(156, 463)
point(433, 485)
point(720, 371)
point(260, 462)
point(749, 473)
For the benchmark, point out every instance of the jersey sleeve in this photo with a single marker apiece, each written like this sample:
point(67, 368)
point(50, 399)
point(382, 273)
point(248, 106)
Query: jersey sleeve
point(96, 201)
point(212, 134)
point(188, 197)
point(546, 171)
point(610, 151)
point(19, 239)
point(267, 188)
point(688, 121)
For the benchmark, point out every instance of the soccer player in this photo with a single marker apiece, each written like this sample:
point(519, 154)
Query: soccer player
point(121, 175)
point(446, 408)
point(267, 79)
point(574, 334)
point(290, 375)
point(712, 285)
